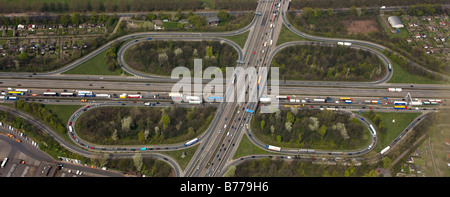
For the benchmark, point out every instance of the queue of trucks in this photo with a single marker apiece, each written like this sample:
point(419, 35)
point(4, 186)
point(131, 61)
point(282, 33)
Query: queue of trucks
point(11, 95)
point(348, 100)
point(196, 100)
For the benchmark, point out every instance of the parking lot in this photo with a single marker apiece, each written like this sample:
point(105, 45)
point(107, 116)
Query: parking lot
point(25, 160)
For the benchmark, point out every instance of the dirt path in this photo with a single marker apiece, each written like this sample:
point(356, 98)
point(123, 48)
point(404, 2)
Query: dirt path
point(118, 23)
point(408, 150)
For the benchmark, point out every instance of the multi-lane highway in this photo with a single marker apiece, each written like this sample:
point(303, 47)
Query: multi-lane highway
point(219, 142)
point(207, 161)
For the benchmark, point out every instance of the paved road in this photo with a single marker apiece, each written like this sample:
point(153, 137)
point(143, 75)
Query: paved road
point(126, 46)
point(357, 42)
point(224, 131)
point(211, 159)
point(380, 55)
point(76, 149)
point(39, 86)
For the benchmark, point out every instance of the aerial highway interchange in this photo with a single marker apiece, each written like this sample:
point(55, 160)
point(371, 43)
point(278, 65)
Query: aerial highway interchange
point(220, 141)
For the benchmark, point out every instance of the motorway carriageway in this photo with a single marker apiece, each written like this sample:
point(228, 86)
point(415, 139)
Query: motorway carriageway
point(121, 87)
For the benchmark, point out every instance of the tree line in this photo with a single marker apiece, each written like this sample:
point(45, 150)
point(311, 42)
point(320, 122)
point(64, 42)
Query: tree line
point(412, 68)
point(378, 122)
point(309, 129)
point(63, 19)
point(266, 167)
point(235, 4)
point(111, 56)
point(38, 110)
point(149, 167)
point(45, 141)
point(328, 63)
point(59, 6)
point(299, 4)
point(144, 166)
point(141, 125)
point(161, 57)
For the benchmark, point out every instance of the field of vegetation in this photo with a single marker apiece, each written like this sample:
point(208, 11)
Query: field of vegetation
point(56, 117)
point(45, 141)
point(161, 57)
point(365, 24)
point(11, 6)
point(190, 21)
point(71, 38)
point(328, 64)
point(266, 167)
point(140, 125)
point(388, 129)
point(140, 166)
point(310, 129)
point(299, 4)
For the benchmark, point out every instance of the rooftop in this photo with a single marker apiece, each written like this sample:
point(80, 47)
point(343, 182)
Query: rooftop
point(395, 22)
point(212, 19)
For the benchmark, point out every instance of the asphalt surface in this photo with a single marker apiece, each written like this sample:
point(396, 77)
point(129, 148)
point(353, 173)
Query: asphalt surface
point(218, 143)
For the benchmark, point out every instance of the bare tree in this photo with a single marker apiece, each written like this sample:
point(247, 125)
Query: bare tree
point(138, 162)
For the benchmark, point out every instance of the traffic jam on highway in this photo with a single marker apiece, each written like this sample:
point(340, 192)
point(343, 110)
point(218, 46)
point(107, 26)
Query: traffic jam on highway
point(396, 104)
point(15, 94)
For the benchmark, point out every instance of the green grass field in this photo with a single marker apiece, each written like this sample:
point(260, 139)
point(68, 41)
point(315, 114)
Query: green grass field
point(402, 120)
point(286, 36)
point(63, 112)
point(94, 66)
point(402, 76)
point(246, 147)
point(238, 39)
point(183, 162)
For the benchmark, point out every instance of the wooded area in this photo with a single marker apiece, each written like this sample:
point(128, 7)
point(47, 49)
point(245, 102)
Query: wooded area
point(235, 4)
point(143, 125)
point(138, 164)
point(190, 21)
point(310, 129)
point(329, 24)
point(299, 4)
point(39, 110)
point(161, 57)
point(328, 64)
point(7, 6)
point(266, 167)
point(15, 6)
point(45, 141)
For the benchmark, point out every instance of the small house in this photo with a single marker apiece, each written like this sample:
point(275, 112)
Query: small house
point(157, 24)
point(409, 160)
point(395, 22)
point(212, 20)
